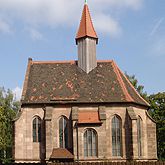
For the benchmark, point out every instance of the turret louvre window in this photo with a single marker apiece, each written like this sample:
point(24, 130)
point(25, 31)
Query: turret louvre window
point(139, 135)
point(116, 136)
point(36, 129)
point(63, 132)
point(90, 143)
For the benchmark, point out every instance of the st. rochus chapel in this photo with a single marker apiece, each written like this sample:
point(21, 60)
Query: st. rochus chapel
point(85, 110)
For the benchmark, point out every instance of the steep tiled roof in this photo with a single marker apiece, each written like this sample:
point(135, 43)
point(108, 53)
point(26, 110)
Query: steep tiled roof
point(65, 82)
point(86, 26)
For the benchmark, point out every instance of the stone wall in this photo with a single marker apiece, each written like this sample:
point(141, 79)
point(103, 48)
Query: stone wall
point(151, 138)
point(26, 149)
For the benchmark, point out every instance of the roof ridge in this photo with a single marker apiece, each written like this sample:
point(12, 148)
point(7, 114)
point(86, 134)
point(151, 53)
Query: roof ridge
point(119, 78)
point(85, 18)
point(87, 11)
point(66, 61)
point(54, 62)
point(133, 88)
point(106, 61)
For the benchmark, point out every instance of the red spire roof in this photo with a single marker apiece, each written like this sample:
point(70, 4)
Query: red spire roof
point(86, 26)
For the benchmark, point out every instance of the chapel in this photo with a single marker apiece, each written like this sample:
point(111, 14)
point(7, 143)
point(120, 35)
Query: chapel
point(84, 111)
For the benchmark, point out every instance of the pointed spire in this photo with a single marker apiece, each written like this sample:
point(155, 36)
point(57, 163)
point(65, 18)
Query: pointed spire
point(86, 41)
point(86, 28)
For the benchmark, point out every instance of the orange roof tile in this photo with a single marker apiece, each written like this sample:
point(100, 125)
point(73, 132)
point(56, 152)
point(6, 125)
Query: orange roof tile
point(88, 117)
point(61, 153)
point(86, 26)
point(119, 78)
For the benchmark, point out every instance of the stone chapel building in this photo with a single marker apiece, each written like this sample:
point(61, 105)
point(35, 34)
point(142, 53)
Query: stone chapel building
point(85, 110)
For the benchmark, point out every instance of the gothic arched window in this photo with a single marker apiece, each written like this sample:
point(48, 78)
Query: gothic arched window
point(63, 132)
point(90, 143)
point(139, 135)
point(36, 129)
point(116, 136)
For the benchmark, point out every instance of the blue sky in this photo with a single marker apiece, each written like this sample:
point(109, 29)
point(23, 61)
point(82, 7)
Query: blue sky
point(131, 32)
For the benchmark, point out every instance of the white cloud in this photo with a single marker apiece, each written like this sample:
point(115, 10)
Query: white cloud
point(49, 12)
point(17, 93)
point(56, 13)
point(130, 4)
point(106, 24)
point(35, 34)
point(4, 27)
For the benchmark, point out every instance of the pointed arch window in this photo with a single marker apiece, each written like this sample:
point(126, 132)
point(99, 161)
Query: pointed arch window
point(116, 136)
point(139, 135)
point(63, 132)
point(37, 129)
point(90, 143)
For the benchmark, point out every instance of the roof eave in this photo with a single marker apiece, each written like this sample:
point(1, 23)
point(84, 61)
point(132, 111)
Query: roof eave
point(75, 102)
point(86, 36)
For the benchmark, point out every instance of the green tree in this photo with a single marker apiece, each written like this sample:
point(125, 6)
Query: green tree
point(157, 111)
point(8, 110)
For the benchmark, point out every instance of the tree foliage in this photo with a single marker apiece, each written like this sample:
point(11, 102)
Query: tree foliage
point(8, 110)
point(157, 111)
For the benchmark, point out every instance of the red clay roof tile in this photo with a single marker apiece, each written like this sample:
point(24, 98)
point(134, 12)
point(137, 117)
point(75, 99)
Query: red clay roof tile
point(86, 26)
point(123, 87)
point(88, 117)
point(61, 153)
